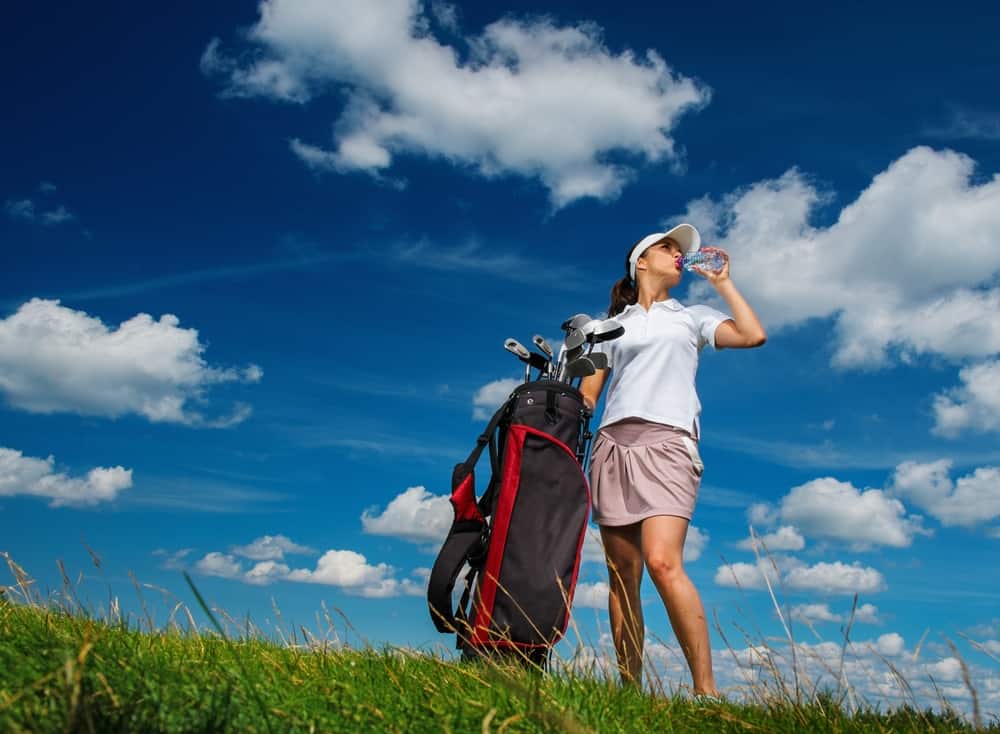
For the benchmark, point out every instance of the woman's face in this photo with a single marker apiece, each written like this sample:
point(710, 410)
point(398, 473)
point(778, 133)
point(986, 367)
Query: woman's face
point(664, 259)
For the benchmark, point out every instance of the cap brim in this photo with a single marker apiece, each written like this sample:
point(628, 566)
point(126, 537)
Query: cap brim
point(686, 236)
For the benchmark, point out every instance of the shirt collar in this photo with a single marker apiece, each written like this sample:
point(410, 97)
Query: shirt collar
point(671, 304)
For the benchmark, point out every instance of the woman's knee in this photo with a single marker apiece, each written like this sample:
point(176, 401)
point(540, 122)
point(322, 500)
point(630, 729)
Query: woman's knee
point(665, 568)
point(624, 573)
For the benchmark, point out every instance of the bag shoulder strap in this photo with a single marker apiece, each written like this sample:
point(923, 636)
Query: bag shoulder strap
point(469, 533)
point(464, 541)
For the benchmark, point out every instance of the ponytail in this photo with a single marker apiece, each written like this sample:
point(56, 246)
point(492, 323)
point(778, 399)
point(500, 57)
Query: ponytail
point(624, 292)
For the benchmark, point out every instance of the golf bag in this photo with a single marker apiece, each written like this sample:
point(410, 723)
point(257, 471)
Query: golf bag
point(523, 538)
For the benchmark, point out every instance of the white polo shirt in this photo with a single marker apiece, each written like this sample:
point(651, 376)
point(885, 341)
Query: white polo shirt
point(653, 364)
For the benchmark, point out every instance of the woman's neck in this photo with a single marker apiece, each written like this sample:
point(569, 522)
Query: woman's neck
point(650, 295)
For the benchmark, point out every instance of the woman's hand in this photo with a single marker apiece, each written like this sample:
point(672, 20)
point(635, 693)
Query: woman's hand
point(715, 278)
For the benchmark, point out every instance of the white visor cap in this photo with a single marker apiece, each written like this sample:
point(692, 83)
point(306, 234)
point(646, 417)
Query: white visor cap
point(684, 235)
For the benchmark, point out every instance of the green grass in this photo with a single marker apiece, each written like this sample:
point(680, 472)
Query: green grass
point(63, 671)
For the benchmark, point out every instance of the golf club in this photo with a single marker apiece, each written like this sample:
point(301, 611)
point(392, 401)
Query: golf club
point(518, 350)
point(530, 359)
point(540, 342)
point(575, 322)
point(580, 367)
point(574, 339)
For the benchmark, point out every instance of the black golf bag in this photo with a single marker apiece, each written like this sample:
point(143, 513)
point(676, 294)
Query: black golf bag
point(523, 538)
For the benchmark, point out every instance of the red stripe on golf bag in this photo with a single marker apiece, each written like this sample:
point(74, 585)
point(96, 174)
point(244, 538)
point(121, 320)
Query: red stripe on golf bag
point(463, 499)
point(526, 588)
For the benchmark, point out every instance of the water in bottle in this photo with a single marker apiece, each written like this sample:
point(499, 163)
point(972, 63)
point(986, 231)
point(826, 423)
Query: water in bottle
point(712, 259)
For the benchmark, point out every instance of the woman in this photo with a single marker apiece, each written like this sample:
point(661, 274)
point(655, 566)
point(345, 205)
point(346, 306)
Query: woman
point(645, 469)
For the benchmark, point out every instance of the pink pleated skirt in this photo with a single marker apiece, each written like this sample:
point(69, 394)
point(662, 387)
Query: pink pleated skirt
point(639, 469)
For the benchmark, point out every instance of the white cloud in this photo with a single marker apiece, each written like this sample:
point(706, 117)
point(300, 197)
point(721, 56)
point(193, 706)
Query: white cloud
point(415, 515)
point(986, 629)
point(864, 614)
point(814, 613)
point(695, 543)
point(890, 645)
point(975, 404)
point(971, 500)
point(948, 669)
point(745, 575)
point(762, 514)
point(593, 548)
point(529, 97)
point(271, 548)
point(55, 359)
point(904, 270)
point(219, 564)
point(591, 596)
point(490, 397)
point(829, 578)
point(867, 614)
point(785, 538)
point(351, 572)
point(24, 475)
point(345, 569)
point(266, 572)
point(835, 578)
point(827, 508)
point(173, 560)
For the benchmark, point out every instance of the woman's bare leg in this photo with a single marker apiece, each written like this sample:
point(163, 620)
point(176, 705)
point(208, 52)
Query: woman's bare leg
point(623, 551)
point(662, 540)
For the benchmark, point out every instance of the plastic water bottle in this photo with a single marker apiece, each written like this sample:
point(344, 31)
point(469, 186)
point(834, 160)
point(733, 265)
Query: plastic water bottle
point(712, 259)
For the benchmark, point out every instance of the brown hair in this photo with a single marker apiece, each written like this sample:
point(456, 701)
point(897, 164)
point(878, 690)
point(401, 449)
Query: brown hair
point(624, 292)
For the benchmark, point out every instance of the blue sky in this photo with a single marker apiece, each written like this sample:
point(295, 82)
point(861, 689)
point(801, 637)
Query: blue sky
point(259, 264)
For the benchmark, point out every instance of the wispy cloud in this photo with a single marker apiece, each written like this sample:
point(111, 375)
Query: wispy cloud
point(225, 272)
point(719, 497)
point(186, 494)
point(20, 209)
point(829, 455)
point(474, 257)
point(383, 444)
point(59, 215)
point(967, 124)
point(41, 210)
point(369, 384)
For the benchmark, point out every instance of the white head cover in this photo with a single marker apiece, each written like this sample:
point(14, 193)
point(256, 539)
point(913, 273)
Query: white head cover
point(684, 235)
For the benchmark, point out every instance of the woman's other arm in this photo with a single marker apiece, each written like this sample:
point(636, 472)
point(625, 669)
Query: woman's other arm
point(591, 387)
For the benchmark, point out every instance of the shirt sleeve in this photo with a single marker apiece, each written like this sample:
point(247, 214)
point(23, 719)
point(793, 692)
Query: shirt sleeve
point(706, 321)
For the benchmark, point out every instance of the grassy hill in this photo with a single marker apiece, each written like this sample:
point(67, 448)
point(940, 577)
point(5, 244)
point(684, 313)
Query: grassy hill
point(63, 671)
